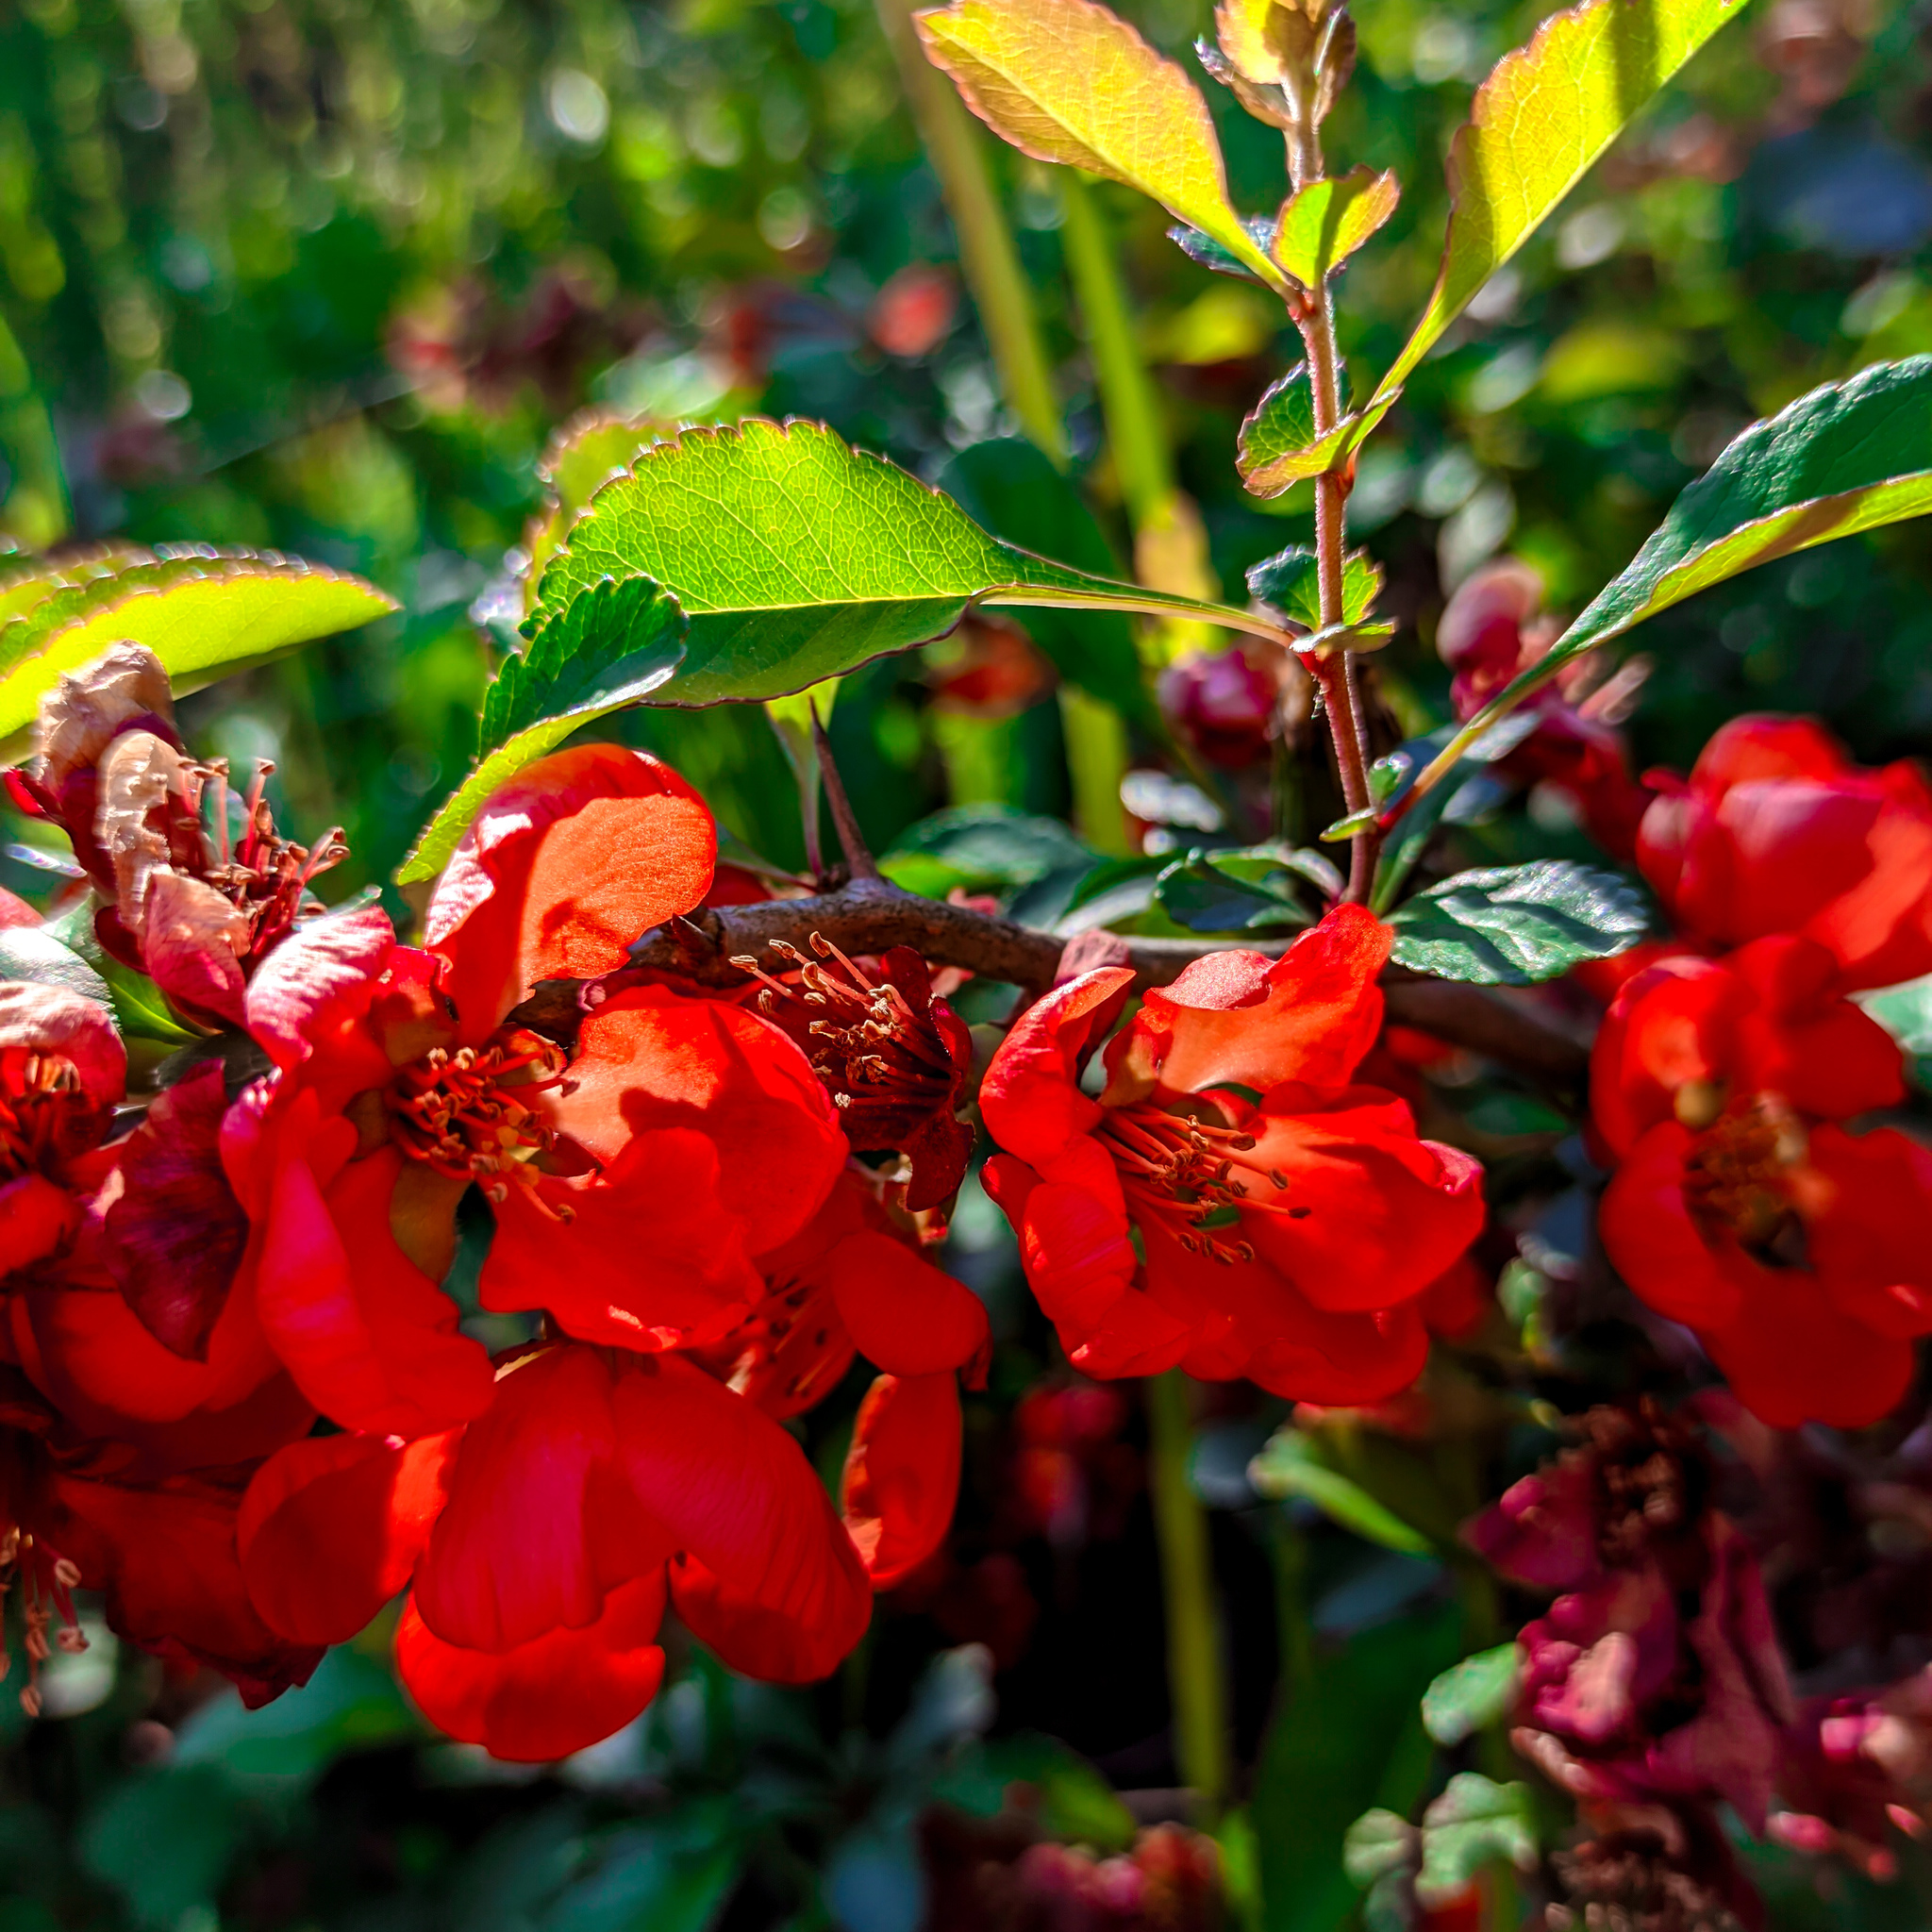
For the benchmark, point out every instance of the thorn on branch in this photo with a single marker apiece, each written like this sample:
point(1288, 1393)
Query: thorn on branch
point(858, 860)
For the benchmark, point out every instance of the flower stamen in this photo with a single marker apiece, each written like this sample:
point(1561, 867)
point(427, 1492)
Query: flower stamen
point(462, 1111)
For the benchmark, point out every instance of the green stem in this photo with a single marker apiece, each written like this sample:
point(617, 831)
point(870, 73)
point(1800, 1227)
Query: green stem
point(988, 257)
point(1135, 434)
point(1196, 1685)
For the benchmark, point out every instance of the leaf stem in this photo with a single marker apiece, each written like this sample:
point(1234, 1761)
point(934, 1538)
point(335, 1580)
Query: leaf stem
point(988, 257)
point(1196, 1683)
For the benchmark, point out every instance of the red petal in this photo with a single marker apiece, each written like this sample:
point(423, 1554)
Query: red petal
point(1030, 1099)
point(370, 1340)
point(776, 1587)
point(165, 1556)
point(51, 1020)
point(1654, 1244)
point(1868, 1236)
point(1792, 1357)
point(539, 1526)
point(177, 1231)
point(36, 1217)
point(904, 1314)
point(562, 1693)
point(312, 993)
point(902, 1473)
point(561, 870)
point(330, 1528)
point(1235, 1018)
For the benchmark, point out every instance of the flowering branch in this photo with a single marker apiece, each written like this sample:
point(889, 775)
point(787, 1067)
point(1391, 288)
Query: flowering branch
point(869, 915)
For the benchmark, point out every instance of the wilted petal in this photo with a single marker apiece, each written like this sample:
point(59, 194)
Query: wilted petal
point(192, 941)
point(86, 708)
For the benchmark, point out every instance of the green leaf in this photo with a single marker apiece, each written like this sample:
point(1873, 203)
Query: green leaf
point(163, 1840)
point(614, 646)
point(1472, 1695)
point(644, 1877)
point(1847, 457)
point(1904, 1012)
point(140, 1009)
point(1346, 1737)
point(32, 952)
point(1278, 445)
point(1536, 126)
point(1288, 580)
point(1230, 892)
point(1513, 925)
point(21, 589)
point(1324, 222)
point(1292, 1465)
point(1007, 485)
point(1210, 253)
point(1065, 80)
point(981, 848)
point(205, 615)
point(1378, 1842)
point(1075, 1803)
point(582, 457)
point(1473, 1823)
point(797, 558)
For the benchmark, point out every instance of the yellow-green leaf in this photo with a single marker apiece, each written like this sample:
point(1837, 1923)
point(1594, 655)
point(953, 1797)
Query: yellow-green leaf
point(1267, 469)
point(1324, 222)
point(204, 615)
point(1065, 80)
point(584, 454)
point(1537, 126)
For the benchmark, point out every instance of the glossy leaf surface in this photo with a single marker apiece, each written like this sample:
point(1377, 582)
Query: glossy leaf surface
point(1514, 925)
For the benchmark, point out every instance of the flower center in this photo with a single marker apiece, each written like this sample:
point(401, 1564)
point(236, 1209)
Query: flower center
point(885, 1065)
point(465, 1110)
point(261, 874)
point(1736, 1179)
point(1189, 1177)
point(48, 1581)
point(46, 1116)
point(789, 1350)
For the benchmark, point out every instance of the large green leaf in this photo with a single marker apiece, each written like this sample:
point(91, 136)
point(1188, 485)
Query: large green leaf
point(1007, 485)
point(1847, 457)
point(1513, 925)
point(582, 457)
point(205, 614)
point(797, 558)
point(1537, 125)
point(613, 647)
point(1066, 80)
point(21, 589)
point(1348, 1736)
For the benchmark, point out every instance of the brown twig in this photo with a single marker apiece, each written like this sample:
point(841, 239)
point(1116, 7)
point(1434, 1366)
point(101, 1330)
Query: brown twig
point(859, 862)
point(869, 915)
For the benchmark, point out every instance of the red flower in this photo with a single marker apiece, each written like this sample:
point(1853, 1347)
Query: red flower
point(118, 1257)
point(1223, 703)
point(892, 1056)
point(544, 1539)
point(162, 1551)
point(1777, 831)
point(1796, 1249)
point(1290, 1220)
point(400, 1082)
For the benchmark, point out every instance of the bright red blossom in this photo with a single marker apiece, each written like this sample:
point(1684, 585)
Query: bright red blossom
point(1740, 1206)
point(1777, 831)
point(1290, 1219)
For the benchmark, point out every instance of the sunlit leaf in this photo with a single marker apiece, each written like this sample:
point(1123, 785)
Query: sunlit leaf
point(1065, 80)
point(22, 589)
point(797, 558)
point(1231, 892)
point(205, 615)
point(1289, 581)
point(614, 646)
point(1292, 1465)
point(1513, 925)
point(1847, 457)
point(1210, 253)
point(1474, 1823)
point(1537, 123)
point(1278, 445)
point(1472, 1695)
point(1323, 223)
point(583, 455)
point(32, 952)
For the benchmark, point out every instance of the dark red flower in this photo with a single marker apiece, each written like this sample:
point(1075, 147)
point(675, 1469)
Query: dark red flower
point(1794, 1248)
point(1777, 831)
point(545, 1537)
point(1857, 1769)
point(1654, 1674)
point(1225, 703)
point(1290, 1220)
point(894, 1057)
point(187, 900)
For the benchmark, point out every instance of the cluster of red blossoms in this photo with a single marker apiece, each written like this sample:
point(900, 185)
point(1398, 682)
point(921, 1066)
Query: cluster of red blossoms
point(1747, 1202)
point(240, 1402)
